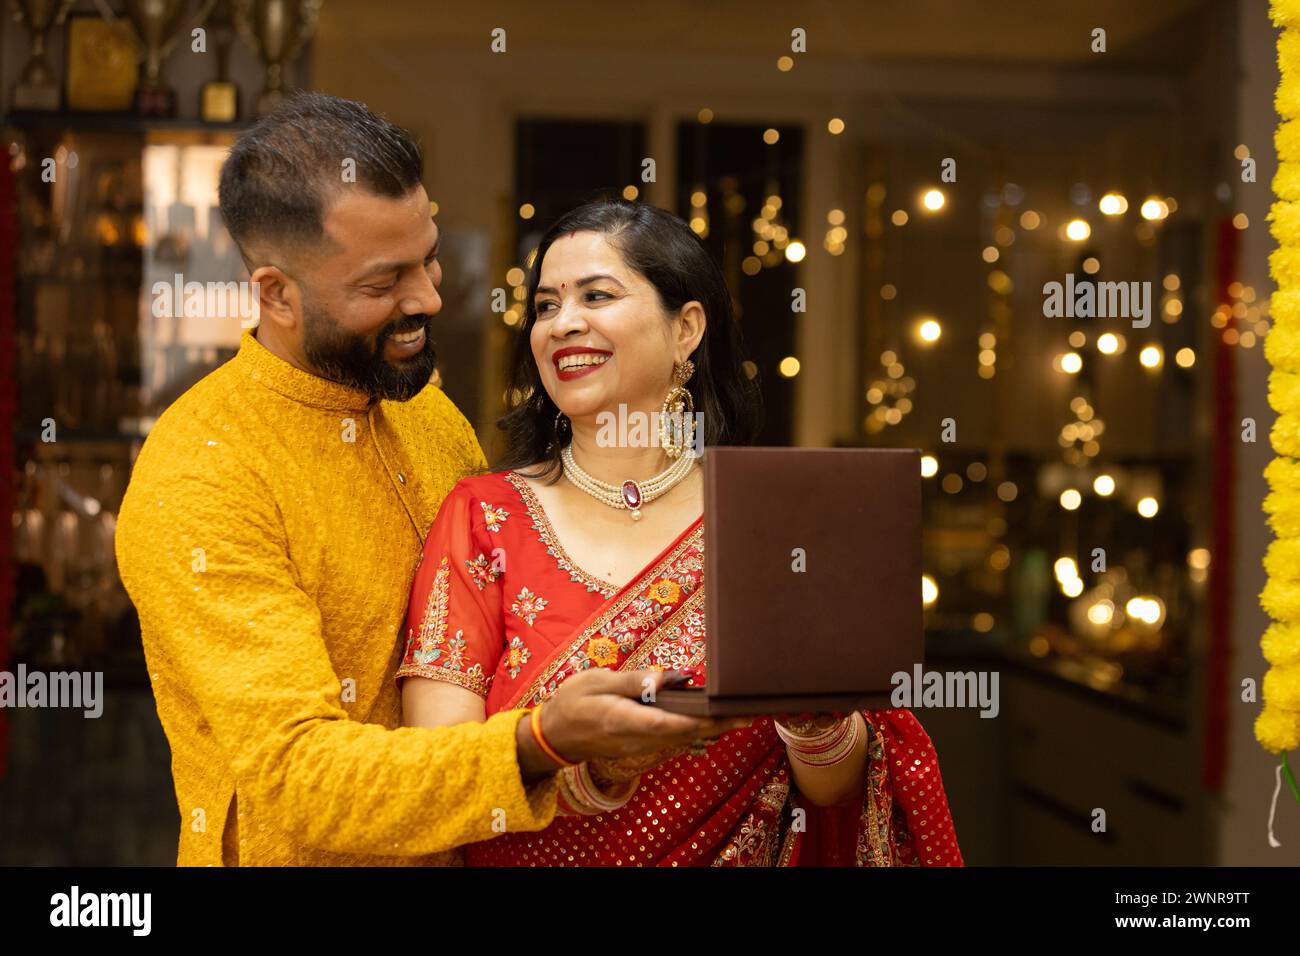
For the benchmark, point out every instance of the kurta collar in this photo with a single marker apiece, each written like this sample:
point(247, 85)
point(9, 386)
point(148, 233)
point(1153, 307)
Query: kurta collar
point(266, 368)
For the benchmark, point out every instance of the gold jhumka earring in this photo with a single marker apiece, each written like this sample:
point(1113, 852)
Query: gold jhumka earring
point(677, 418)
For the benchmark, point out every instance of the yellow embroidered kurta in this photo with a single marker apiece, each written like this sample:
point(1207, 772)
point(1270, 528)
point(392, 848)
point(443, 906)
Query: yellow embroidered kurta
point(268, 538)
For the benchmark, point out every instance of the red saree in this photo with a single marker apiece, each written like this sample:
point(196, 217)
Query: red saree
point(498, 607)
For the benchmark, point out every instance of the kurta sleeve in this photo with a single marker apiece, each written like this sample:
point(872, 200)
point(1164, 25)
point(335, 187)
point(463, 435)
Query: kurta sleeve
point(454, 623)
point(241, 642)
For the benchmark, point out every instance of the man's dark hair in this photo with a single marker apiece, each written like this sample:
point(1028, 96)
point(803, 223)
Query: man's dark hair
point(281, 172)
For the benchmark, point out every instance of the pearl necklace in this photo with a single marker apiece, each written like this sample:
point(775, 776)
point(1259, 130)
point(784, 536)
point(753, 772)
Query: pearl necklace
point(631, 495)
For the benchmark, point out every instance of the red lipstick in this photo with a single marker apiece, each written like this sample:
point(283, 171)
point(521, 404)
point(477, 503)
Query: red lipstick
point(577, 371)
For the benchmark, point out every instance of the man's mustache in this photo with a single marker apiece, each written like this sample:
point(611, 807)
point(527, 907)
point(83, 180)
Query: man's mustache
point(407, 323)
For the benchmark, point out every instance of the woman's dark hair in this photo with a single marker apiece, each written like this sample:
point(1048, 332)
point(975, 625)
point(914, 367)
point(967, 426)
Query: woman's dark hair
point(662, 248)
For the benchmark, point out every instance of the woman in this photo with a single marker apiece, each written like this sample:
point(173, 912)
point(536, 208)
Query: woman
point(587, 551)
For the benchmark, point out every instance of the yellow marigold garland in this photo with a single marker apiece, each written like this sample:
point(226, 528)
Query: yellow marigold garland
point(1282, 644)
point(1278, 725)
point(1286, 182)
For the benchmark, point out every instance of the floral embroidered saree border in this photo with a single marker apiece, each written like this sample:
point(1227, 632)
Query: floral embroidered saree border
point(877, 809)
point(535, 691)
point(690, 606)
point(472, 679)
point(761, 839)
point(542, 525)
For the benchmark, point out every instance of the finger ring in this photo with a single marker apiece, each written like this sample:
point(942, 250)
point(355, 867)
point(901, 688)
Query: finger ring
point(699, 747)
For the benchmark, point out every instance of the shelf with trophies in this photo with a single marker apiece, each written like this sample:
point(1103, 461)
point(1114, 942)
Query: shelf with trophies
point(113, 166)
point(119, 116)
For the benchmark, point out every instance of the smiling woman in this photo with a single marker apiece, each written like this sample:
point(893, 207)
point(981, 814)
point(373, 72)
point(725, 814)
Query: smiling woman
point(625, 306)
point(639, 256)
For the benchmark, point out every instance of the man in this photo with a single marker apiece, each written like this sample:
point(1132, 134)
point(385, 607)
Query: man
point(274, 519)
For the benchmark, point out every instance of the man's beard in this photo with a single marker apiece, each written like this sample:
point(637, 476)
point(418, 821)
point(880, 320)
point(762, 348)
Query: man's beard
point(349, 359)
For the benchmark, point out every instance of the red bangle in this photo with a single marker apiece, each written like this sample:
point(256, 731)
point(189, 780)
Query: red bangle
point(535, 721)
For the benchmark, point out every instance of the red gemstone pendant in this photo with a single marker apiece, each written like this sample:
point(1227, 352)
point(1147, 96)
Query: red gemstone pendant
point(631, 494)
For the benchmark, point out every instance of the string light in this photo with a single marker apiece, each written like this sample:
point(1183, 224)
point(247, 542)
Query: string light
point(1113, 204)
point(1065, 569)
point(515, 279)
point(1154, 209)
point(836, 235)
point(1079, 439)
point(1243, 319)
point(1240, 320)
point(988, 355)
point(929, 590)
point(699, 220)
point(889, 394)
point(772, 237)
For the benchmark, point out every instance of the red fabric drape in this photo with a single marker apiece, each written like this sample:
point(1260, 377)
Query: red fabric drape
point(1222, 525)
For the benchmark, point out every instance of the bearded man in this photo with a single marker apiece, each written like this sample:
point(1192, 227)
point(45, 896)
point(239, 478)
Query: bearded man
point(276, 514)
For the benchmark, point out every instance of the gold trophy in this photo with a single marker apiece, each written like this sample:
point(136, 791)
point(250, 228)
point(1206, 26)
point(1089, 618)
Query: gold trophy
point(158, 25)
point(38, 87)
point(276, 30)
point(219, 98)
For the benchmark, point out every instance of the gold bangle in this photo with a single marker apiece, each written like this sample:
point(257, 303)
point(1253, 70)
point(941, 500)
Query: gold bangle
point(585, 796)
point(814, 739)
point(831, 750)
